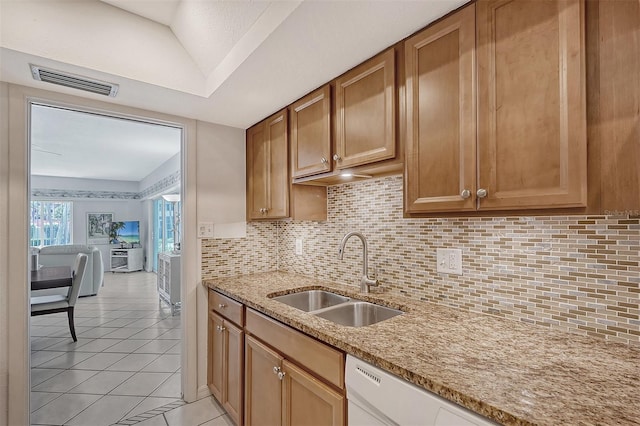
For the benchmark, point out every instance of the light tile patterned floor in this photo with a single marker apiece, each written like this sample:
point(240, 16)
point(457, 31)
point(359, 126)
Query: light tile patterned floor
point(125, 367)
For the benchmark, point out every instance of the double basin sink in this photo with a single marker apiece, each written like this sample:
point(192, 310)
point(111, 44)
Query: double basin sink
point(337, 308)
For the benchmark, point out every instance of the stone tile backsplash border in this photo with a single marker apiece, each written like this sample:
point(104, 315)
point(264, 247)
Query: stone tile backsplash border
point(576, 273)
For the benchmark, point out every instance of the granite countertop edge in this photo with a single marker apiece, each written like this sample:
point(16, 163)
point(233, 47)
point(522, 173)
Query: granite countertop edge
point(255, 291)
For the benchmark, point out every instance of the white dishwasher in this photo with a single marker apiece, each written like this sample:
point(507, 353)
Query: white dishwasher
point(376, 397)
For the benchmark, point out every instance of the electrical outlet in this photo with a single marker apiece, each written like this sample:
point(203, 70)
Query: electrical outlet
point(298, 246)
point(449, 261)
point(205, 229)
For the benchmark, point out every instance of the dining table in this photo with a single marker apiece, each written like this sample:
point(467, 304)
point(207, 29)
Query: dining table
point(47, 277)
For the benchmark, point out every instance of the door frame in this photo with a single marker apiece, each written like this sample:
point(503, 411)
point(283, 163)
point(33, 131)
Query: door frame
point(18, 361)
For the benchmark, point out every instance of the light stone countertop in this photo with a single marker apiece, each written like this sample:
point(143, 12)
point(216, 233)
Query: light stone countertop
point(510, 372)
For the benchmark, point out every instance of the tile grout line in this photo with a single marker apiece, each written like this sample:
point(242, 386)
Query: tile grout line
point(152, 321)
point(158, 411)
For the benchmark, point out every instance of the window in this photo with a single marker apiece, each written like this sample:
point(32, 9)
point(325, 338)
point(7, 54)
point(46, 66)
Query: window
point(50, 223)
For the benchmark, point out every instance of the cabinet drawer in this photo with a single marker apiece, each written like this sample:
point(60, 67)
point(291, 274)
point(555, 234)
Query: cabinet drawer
point(227, 307)
point(317, 357)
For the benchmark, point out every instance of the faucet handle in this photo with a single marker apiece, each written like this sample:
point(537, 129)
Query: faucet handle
point(367, 282)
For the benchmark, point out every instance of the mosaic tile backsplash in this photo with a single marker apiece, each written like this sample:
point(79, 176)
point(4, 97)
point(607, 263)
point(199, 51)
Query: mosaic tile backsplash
point(576, 273)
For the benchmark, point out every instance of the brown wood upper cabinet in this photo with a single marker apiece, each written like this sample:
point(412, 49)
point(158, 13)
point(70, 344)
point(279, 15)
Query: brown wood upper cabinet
point(532, 141)
point(527, 149)
point(365, 113)
point(441, 116)
point(267, 168)
point(311, 134)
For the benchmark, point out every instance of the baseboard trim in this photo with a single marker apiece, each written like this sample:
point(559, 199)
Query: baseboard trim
point(203, 391)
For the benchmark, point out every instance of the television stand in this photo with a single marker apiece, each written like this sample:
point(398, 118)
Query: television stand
point(126, 260)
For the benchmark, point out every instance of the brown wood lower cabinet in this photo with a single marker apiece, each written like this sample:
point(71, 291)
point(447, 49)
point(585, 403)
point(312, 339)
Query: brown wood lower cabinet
point(266, 373)
point(263, 402)
point(226, 355)
point(279, 391)
point(308, 401)
point(225, 366)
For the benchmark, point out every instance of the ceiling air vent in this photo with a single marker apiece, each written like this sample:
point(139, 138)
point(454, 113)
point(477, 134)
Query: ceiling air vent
point(74, 81)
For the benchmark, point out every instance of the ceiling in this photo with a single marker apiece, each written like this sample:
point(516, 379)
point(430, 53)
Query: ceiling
point(68, 143)
point(227, 62)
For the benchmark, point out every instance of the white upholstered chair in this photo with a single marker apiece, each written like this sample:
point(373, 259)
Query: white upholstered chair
point(42, 305)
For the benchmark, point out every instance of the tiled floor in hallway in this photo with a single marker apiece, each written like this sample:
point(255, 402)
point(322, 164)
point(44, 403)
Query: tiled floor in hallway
point(124, 368)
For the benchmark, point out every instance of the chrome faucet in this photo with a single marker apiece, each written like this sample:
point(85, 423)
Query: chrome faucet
point(365, 281)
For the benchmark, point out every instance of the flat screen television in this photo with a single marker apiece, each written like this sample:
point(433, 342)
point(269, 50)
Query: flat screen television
point(130, 233)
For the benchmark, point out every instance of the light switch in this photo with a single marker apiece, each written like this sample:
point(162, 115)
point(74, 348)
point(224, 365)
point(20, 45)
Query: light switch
point(449, 261)
point(205, 229)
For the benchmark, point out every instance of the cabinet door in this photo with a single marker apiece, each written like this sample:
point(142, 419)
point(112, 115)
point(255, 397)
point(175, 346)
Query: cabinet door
point(308, 401)
point(216, 358)
point(278, 166)
point(614, 121)
point(311, 134)
point(263, 388)
point(365, 113)
point(257, 171)
point(531, 104)
point(440, 172)
point(234, 368)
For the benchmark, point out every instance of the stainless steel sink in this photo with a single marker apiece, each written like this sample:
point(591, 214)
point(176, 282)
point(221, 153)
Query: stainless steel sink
point(311, 300)
point(339, 309)
point(358, 314)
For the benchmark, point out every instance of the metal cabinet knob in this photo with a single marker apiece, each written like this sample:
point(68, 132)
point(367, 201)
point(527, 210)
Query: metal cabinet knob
point(336, 157)
point(222, 306)
point(324, 160)
point(281, 375)
point(465, 194)
point(276, 370)
point(220, 328)
point(481, 193)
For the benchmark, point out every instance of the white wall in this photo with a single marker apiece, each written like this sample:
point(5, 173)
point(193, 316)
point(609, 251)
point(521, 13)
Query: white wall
point(221, 200)
point(122, 210)
point(4, 247)
point(167, 168)
point(221, 178)
point(54, 182)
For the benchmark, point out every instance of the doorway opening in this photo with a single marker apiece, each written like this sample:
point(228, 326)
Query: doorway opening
point(103, 169)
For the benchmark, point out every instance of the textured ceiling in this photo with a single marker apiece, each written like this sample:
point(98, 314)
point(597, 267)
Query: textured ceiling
point(207, 30)
point(166, 57)
point(74, 144)
point(288, 50)
point(162, 11)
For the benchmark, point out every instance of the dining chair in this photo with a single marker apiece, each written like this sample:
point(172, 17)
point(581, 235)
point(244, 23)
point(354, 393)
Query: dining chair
point(42, 305)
